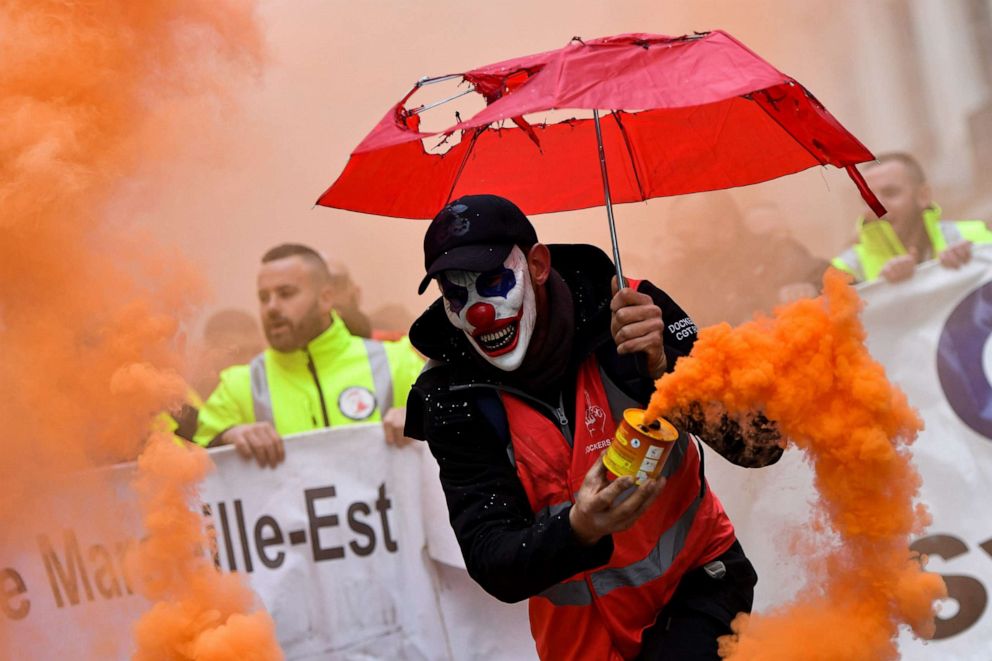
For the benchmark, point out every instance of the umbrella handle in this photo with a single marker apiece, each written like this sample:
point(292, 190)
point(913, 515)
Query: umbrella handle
point(621, 283)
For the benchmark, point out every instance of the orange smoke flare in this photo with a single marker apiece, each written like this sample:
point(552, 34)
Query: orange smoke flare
point(808, 369)
point(91, 92)
point(199, 613)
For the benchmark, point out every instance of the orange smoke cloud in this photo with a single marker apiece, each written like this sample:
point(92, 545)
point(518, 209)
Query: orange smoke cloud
point(92, 92)
point(199, 613)
point(809, 370)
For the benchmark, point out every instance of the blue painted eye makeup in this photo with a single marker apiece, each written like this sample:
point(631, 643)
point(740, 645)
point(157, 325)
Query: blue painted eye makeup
point(456, 295)
point(495, 283)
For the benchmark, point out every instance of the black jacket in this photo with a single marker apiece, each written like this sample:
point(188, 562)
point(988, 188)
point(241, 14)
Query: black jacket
point(455, 406)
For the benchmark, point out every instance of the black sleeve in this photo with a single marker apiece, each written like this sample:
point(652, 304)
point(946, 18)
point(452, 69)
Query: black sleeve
point(680, 330)
point(753, 442)
point(509, 551)
point(630, 371)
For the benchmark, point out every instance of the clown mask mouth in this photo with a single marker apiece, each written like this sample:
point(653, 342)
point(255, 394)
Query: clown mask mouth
point(500, 337)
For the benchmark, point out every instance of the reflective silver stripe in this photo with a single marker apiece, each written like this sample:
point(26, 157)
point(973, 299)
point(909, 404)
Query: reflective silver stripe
point(551, 510)
point(261, 398)
point(431, 364)
point(853, 262)
point(382, 378)
point(604, 581)
point(655, 564)
point(572, 593)
point(952, 234)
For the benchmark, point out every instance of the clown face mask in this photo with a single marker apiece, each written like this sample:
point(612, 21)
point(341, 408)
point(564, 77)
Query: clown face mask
point(496, 310)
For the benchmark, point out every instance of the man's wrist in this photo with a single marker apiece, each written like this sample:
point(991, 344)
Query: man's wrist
point(582, 538)
point(220, 439)
point(659, 367)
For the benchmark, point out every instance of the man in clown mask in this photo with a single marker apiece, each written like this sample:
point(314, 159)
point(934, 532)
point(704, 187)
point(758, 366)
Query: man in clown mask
point(534, 357)
point(496, 309)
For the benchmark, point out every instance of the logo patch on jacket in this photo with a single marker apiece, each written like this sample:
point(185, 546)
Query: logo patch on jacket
point(356, 403)
point(595, 417)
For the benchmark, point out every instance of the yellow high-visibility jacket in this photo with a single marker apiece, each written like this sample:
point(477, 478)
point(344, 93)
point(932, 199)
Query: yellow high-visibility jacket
point(338, 379)
point(878, 242)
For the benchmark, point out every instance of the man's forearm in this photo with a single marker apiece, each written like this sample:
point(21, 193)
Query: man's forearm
point(513, 565)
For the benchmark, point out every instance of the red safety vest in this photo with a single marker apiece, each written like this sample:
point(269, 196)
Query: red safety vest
point(601, 614)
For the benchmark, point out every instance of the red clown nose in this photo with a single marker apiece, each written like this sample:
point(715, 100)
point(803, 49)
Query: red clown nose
point(481, 315)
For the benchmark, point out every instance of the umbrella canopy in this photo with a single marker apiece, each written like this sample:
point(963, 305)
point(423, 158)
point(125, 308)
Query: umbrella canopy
point(687, 114)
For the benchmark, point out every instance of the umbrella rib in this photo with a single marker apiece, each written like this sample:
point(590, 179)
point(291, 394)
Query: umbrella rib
point(630, 153)
point(429, 106)
point(461, 166)
point(790, 133)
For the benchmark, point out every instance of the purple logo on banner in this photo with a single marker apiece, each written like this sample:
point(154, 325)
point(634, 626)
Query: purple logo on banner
point(960, 360)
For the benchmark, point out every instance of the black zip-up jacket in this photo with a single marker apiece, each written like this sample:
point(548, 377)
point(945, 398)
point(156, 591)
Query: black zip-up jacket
point(455, 407)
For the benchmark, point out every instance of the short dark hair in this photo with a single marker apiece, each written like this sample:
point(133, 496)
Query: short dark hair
point(908, 161)
point(284, 250)
point(321, 273)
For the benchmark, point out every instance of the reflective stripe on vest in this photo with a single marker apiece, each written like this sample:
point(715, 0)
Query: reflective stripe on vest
point(576, 593)
point(656, 563)
point(852, 261)
point(552, 510)
point(382, 380)
point(950, 231)
point(261, 398)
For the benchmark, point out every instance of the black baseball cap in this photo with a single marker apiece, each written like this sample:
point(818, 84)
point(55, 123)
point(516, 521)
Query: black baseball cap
point(474, 233)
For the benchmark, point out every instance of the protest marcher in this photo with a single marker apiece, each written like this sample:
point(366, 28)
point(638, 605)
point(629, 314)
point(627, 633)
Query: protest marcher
point(230, 337)
point(533, 359)
point(912, 230)
point(390, 322)
point(348, 300)
point(727, 265)
point(314, 374)
point(786, 262)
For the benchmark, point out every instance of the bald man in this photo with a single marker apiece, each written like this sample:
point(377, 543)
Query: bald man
point(912, 231)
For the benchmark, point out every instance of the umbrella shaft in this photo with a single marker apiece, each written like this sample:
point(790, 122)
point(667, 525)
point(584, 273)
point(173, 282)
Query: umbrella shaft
point(609, 202)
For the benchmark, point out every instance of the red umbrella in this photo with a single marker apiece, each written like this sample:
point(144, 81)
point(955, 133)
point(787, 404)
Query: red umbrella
point(687, 114)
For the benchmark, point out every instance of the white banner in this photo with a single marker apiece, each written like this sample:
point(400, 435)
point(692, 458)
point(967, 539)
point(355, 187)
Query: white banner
point(334, 542)
point(932, 335)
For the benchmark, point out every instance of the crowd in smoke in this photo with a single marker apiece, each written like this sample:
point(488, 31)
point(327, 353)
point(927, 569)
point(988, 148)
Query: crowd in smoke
point(89, 315)
point(722, 262)
point(93, 349)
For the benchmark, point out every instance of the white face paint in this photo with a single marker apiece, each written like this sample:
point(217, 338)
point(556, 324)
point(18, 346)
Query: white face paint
point(495, 310)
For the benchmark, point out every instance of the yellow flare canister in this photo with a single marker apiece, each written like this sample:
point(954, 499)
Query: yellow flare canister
point(639, 448)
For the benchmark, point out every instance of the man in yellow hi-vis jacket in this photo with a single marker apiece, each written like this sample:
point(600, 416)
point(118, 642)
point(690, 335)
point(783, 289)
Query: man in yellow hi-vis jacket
point(912, 230)
point(314, 374)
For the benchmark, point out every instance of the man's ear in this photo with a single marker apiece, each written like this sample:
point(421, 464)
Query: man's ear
point(326, 297)
point(539, 263)
point(924, 196)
